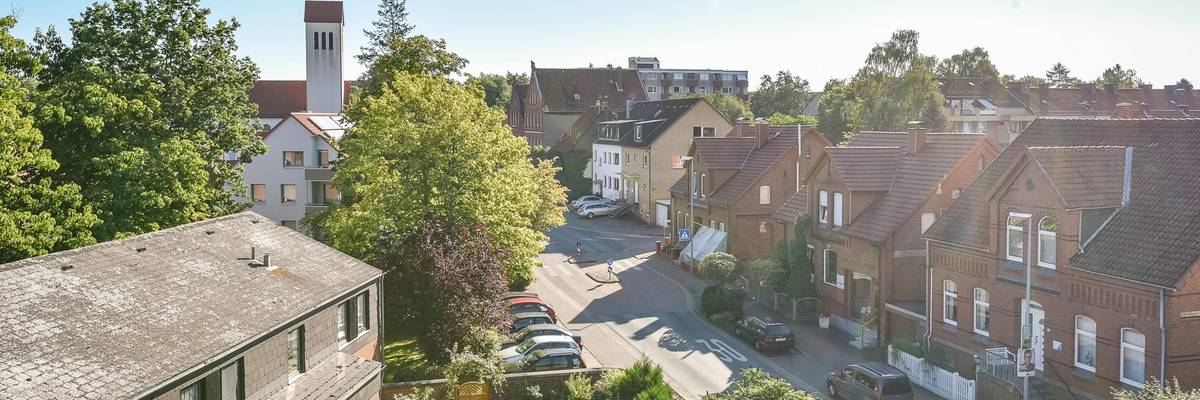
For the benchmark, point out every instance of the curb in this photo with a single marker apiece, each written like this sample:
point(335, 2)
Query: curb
point(603, 278)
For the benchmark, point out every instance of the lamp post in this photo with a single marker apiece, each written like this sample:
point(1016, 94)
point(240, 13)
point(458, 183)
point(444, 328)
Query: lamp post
point(691, 207)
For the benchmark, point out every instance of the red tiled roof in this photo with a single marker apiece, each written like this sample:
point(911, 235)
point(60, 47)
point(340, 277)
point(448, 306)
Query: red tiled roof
point(758, 162)
point(1154, 239)
point(879, 139)
point(278, 99)
point(322, 11)
point(558, 88)
point(865, 168)
point(793, 207)
point(1084, 176)
point(916, 177)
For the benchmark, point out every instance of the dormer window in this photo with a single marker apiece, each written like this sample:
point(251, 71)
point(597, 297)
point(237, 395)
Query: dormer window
point(578, 97)
point(638, 133)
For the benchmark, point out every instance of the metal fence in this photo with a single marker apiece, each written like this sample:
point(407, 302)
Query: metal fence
point(998, 363)
point(797, 309)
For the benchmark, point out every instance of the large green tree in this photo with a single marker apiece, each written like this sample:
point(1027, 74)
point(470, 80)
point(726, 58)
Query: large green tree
point(140, 107)
point(784, 93)
point(970, 63)
point(497, 91)
point(428, 146)
point(37, 214)
point(1123, 77)
point(389, 28)
point(1059, 76)
point(731, 107)
point(897, 86)
point(837, 114)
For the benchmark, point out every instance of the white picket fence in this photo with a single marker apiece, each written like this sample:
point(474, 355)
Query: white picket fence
point(939, 381)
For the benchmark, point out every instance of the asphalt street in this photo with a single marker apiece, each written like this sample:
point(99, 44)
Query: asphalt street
point(650, 312)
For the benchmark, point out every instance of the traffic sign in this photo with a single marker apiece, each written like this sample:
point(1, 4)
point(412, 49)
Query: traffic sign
point(685, 234)
point(610, 263)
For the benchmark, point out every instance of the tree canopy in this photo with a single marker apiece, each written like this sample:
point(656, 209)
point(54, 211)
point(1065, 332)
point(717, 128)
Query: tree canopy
point(784, 93)
point(731, 107)
point(1123, 77)
point(756, 384)
point(896, 85)
point(426, 146)
point(837, 114)
point(1059, 76)
point(782, 119)
point(497, 92)
point(140, 107)
point(37, 214)
point(390, 28)
point(970, 63)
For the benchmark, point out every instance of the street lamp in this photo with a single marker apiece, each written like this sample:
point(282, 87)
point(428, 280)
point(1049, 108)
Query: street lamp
point(691, 207)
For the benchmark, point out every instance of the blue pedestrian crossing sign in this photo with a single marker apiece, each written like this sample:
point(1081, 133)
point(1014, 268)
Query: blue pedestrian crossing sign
point(685, 234)
point(610, 262)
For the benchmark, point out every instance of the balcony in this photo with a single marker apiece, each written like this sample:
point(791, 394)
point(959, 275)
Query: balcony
point(318, 174)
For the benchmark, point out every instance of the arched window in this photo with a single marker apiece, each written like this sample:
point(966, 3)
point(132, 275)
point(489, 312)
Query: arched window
point(1047, 248)
point(949, 297)
point(1133, 357)
point(1085, 343)
point(982, 311)
point(316, 41)
point(331, 40)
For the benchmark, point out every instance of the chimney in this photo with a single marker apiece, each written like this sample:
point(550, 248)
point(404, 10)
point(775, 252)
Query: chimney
point(1111, 88)
point(1128, 181)
point(1128, 110)
point(267, 260)
point(742, 129)
point(1089, 89)
point(917, 137)
point(324, 84)
point(1044, 97)
point(762, 134)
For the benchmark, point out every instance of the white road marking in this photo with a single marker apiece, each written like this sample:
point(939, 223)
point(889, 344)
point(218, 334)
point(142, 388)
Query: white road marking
point(722, 350)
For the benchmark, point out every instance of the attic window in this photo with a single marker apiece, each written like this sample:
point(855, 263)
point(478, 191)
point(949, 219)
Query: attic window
point(578, 97)
point(638, 131)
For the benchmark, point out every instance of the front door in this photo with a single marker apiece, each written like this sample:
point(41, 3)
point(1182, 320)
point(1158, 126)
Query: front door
point(862, 296)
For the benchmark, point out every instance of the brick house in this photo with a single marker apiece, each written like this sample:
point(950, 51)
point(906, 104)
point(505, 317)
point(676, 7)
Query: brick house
point(1002, 111)
point(741, 180)
point(870, 200)
point(638, 158)
point(234, 307)
point(1101, 212)
point(549, 111)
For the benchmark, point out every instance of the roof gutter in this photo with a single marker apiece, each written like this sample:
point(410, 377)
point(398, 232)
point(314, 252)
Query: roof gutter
point(231, 353)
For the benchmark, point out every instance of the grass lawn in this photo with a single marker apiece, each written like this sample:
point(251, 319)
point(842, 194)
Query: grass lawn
point(403, 359)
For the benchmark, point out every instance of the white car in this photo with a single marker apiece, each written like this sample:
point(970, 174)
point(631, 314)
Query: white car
point(585, 199)
point(599, 200)
point(512, 355)
point(596, 209)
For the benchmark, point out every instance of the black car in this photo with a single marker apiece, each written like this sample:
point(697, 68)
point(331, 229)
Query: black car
point(522, 320)
point(542, 330)
point(548, 360)
point(765, 335)
point(869, 380)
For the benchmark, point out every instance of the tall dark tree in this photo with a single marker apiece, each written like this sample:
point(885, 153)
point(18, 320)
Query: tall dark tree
point(896, 85)
point(1123, 77)
point(450, 278)
point(971, 63)
point(785, 93)
point(37, 215)
point(389, 28)
point(140, 107)
point(1059, 76)
point(1183, 82)
point(837, 114)
point(800, 273)
point(497, 91)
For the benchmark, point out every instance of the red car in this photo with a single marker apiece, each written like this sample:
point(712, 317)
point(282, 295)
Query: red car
point(530, 304)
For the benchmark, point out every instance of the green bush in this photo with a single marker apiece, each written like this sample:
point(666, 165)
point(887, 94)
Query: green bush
point(770, 272)
point(755, 384)
point(719, 267)
point(471, 367)
point(579, 387)
point(532, 393)
point(722, 318)
point(417, 394)
point(710, 301)
point(731, 301)
point(643, 380)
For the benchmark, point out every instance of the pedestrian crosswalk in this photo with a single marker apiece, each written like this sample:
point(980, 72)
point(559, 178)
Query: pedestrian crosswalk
point(559, 270)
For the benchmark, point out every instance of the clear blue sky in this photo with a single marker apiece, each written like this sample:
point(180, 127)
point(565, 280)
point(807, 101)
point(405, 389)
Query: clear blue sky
point(814, 39)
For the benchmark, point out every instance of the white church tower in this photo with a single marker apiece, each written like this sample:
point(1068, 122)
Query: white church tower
point(323, 50)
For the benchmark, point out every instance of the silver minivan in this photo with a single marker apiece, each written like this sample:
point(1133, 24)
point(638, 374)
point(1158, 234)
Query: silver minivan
point(870, 380)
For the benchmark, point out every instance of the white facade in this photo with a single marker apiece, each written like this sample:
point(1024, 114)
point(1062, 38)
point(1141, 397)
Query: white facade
point(306, 181)
point(323, 49)
point(606, 170)
point(662, 83)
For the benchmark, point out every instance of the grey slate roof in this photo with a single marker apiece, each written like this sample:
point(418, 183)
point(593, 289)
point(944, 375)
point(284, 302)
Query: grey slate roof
point(865, 168)
point(133, 313)
point(334, 377)
point(1084, 176)
point(656, 117)
point(1155, 239)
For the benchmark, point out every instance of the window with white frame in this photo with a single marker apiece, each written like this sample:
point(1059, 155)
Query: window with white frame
point(1133, 357)
point(703, 176)
point(1085, 343)
point(287, 193)
point(1047, 247)
point(837, 209)
point(651, 89)
point(822, 209)
point(293, 159)
point(831, 269)
point(949, 297)
point(1016, 236)
point(983, 318)
point(927, 220)
point(727, 90)
point(764, 194)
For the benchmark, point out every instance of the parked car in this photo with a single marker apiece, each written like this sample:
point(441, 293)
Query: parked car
point(585, 199)
point(765, 335)
point(597, 200)
point(870, 380)
point(548, 360)
point(536, 330)
point(530, 304)
point(512, 355)
point(529, 318)
point(512, 295)
point(597, 209)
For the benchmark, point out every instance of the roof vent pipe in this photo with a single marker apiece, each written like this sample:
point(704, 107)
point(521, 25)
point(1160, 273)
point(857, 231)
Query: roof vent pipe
point(1128, 176)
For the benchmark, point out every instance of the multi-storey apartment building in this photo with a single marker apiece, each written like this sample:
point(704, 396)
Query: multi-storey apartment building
point(302, 122)
point(637, 159)
point(870, 201)
point(737, 183)
point(1097, 217)
point(1002, 111)
point(662, 83)
point(230, 308)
